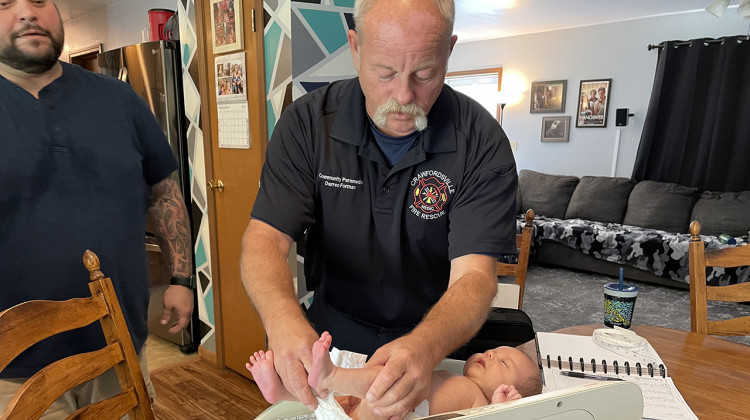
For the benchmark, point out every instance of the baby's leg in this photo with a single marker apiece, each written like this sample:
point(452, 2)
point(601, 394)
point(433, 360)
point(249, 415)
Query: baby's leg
point(322, 366)
point(261, 366)
point(505, 393)
point(325, 376)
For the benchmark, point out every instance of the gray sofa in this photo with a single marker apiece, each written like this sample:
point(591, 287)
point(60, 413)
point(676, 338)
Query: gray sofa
point(599, 224)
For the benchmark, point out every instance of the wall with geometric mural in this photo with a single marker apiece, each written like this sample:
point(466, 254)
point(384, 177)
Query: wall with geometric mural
point(197, 163)
point(320, 50)
point(305, 48)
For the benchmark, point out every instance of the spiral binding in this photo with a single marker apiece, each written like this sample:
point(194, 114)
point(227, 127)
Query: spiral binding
point(606, 367)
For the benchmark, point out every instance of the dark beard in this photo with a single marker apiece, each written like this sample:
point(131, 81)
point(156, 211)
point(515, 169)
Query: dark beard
point(32, 64)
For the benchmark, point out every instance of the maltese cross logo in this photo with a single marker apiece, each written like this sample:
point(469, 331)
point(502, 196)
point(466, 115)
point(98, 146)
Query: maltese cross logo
point(430, 195)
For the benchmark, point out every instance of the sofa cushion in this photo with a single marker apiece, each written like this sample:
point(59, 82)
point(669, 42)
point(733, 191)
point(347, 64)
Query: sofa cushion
point(600, 199)
point(727, 212)
point(547, 194)
point(660, 205)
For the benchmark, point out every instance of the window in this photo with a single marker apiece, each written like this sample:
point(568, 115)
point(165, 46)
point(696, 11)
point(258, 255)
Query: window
point(480, 85)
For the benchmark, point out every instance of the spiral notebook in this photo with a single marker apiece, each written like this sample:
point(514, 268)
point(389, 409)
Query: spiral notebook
point(571, 360)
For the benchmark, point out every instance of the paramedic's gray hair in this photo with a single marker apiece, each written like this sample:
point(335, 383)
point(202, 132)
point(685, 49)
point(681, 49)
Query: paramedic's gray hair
point(447, 9)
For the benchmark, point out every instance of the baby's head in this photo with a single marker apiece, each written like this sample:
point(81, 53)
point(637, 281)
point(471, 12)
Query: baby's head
point(504, 365)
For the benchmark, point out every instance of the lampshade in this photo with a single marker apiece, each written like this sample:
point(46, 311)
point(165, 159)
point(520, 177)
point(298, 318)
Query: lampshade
point(718, 7)
point(744, 9)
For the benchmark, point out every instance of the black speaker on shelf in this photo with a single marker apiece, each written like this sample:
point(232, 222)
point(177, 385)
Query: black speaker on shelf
point(621, 117)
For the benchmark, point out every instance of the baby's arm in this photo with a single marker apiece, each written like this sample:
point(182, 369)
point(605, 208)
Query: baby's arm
point(505, 393)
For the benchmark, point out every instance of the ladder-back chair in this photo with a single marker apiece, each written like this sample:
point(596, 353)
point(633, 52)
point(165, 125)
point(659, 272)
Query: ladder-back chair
point(518, 270)
point(700, 292)
point(30, 322)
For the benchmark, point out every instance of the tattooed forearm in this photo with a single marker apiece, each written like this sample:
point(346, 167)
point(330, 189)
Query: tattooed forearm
point(170, 220)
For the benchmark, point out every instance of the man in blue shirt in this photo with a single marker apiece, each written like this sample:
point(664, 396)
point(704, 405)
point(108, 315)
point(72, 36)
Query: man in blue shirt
point(82, 161)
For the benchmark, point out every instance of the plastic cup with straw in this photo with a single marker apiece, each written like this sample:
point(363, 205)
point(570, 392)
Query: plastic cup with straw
point(619, 302)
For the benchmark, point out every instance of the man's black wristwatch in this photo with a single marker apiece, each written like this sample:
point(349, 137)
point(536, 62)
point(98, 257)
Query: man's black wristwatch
point(188, 282)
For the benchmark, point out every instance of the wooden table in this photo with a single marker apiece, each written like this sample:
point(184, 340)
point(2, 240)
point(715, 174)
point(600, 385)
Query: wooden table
point(712, 374)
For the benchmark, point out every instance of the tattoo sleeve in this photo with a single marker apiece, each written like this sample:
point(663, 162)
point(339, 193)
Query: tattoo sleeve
point(170, 220)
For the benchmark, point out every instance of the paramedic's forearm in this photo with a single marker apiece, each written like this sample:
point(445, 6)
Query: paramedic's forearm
point(266, 276)
point(268, 281)
point(463, 309)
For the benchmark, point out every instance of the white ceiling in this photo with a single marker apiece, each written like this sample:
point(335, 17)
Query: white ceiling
point(70, 9)
point(485, 19)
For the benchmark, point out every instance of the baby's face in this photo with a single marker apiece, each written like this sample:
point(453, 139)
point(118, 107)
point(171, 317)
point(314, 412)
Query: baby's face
point(502, 365)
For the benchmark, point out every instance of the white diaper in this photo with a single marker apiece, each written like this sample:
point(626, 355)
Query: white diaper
point(330, 409)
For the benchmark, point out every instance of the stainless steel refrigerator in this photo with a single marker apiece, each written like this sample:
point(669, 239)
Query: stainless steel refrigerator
point(154, 71)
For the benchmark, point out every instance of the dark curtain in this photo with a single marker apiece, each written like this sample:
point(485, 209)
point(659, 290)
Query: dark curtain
point(697, 129)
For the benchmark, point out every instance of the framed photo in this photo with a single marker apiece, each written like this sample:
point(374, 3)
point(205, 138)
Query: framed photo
point(555, 129)
point(593, 103)
point(548, 96)
point(226, 21)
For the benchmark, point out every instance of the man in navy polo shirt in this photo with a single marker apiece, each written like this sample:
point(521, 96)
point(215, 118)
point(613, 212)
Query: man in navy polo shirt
point(405, 190)
point(82, 159)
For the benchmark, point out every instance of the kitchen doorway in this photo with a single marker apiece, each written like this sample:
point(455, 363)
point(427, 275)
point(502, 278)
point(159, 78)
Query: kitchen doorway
point(86, 57)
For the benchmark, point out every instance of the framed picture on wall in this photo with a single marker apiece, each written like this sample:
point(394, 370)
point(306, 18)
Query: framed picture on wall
point(548, 96)
point(555, 129)
point(593, 103)
point(226, 21)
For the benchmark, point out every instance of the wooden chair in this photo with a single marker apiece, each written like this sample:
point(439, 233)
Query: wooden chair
point(700, 293)
point(518, 270)
point(30, 322)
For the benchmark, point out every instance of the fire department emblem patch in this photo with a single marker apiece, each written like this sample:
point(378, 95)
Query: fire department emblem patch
point(430, 195)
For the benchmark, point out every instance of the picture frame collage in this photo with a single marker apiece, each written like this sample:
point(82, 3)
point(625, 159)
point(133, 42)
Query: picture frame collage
point(549, 97)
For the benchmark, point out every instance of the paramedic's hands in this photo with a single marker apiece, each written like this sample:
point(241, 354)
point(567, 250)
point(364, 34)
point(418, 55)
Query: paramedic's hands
point(292, 350)
point(405, 379)
point(177, 300)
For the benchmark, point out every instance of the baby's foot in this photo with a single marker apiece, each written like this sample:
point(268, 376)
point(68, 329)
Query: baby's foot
point(322, 365)
point(264, 374)
point(505, 393)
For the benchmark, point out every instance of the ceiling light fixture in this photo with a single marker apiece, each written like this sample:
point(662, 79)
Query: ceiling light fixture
point(718, 7)
point(744, 9)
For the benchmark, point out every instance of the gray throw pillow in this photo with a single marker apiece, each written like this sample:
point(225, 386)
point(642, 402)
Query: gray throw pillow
point(727, 212)
point(600, 198)
point(547, 194)
point(660, 205)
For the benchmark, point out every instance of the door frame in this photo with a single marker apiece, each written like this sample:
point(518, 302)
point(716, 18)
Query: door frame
point(251, 9)
point(83, 55)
